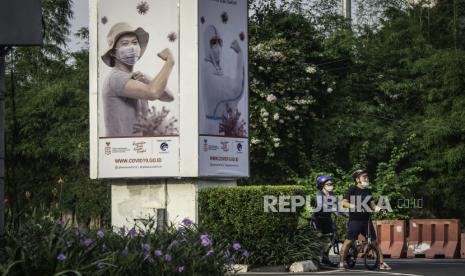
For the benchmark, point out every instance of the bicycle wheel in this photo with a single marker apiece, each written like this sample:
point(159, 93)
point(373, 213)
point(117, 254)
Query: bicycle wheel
point(351, 256)
point(371, 257)
point(332, 259)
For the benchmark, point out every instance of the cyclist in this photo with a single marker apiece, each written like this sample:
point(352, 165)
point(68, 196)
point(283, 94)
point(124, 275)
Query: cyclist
point(359, 216)
point(326, 205)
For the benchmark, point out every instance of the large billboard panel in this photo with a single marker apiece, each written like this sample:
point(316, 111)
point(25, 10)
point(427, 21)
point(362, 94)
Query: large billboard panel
point(138, 93)
point(223, 88)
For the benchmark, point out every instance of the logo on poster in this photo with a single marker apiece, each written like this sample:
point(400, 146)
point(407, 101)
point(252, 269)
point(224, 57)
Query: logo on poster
point(239, 147)
point(205, 145)
point(139, 147)
point(224, 145)
point(164, 146)
point(108, 149)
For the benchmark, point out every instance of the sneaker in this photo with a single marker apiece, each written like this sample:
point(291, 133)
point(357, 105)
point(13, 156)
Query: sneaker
point(384, 266)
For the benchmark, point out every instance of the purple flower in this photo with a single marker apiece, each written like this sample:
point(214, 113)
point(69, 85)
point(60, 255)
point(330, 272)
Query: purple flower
point(181, 269)
point(122, 230)
point(246, 253)
point(205, 240)
point(210, 252)
point(146, 246)
point(227, 253)
point(158, 253)
point(61, 257)
point(236, 246)
point(100, 234)
point(87, 242)
point(132, 232)
point(147, 256)
point(187, 222)
point(100, 265)
point(142, 232)
point(125, 252)
point(231, 260)
point(168, 258)
point(180, 229)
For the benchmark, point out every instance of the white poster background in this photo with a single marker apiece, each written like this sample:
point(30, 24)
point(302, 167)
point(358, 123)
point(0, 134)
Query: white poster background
point(219, 155)
point(160, 20)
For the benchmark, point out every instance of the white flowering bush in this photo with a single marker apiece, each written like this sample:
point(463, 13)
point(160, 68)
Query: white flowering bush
point(285, 87)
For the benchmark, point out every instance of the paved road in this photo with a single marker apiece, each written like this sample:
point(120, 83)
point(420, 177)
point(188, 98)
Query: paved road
point(400, 267)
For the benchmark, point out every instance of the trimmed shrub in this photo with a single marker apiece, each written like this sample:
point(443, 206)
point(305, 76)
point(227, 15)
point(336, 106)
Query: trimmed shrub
point(236, 214)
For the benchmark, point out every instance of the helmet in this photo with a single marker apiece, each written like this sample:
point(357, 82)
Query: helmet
point(358, 172)
point(321, 180)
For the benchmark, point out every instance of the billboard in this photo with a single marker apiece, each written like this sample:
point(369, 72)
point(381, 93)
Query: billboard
point(163, 104)
point(223, 89)
point(137, 88)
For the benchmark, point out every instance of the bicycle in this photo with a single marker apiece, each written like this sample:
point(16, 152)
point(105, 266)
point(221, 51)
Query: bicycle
point(335, 242)
point(369, 252)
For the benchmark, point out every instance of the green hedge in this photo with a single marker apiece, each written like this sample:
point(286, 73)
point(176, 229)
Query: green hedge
point(236, 214)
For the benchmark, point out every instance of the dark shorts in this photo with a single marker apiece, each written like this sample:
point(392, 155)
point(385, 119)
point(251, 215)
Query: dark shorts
point(324, 225)
point(356, 227)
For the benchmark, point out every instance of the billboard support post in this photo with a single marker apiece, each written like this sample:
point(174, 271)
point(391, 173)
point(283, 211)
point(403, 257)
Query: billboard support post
point(3, 52)
point(165, 202)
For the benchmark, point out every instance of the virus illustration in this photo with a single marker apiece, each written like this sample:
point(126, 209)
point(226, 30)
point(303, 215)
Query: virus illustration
point(242, 36)
point(172, 37)
point(202, 19)
point(143, 7)
point(156, 123)
point(232, 125)
point(224, 17)
point(104, 20)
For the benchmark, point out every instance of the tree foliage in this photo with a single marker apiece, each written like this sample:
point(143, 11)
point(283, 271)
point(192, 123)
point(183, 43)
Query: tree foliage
point(47, 124)
point(396, 107)
point(385, 91)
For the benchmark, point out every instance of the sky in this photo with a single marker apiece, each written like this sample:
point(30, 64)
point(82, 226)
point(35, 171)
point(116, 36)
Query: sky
point(81, 19)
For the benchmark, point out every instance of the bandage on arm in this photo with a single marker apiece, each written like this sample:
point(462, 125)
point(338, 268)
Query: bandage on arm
point(154, 89)
point(165, 97)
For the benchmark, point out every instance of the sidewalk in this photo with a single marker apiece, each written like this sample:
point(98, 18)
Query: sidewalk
point(400, 267)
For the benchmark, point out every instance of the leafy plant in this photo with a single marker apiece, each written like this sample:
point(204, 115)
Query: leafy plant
point(47, 247)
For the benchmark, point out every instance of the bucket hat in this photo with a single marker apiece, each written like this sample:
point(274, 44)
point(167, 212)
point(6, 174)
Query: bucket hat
point(116, 32)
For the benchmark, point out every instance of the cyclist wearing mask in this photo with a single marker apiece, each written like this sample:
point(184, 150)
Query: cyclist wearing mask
point(326, 205)
point(359, 216)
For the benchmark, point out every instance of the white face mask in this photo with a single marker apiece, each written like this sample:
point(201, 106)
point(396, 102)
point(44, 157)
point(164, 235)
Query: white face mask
point(329, 188)
point(128, 54)
point(365, 184)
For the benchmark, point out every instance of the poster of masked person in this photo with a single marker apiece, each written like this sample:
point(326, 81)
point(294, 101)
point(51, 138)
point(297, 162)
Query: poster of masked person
point(223, 88)
point(138, 105)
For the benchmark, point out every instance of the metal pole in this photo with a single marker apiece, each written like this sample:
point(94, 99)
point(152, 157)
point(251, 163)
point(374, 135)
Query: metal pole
point(3, 52)
point(347, 9)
